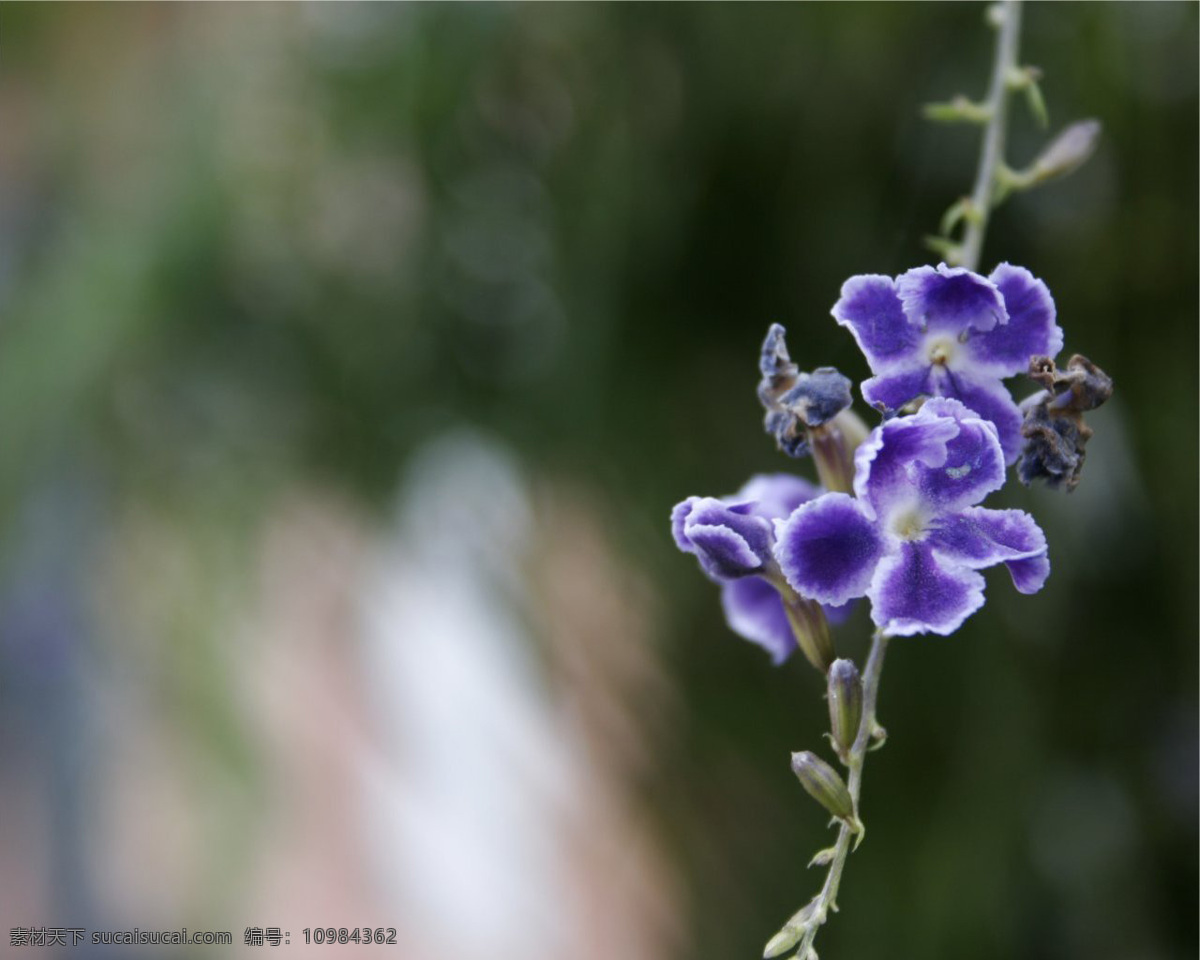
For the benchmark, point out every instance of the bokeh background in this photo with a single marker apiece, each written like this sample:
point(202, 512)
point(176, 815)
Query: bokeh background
point(351, 359)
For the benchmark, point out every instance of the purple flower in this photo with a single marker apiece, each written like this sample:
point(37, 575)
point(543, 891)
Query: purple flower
point(731, 554)
point(912, 539)
point(728, 538)
point(948, 332)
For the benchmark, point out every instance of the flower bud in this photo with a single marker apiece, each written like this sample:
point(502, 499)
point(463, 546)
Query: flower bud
point(791, 932)
point(810, 628)
point(729, 540)
point(823, 784)
point(845, 695)
point(1066, 152)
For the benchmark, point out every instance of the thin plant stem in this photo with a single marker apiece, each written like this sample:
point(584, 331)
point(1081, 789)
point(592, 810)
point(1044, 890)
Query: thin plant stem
point(991, 155)
point(826, 900)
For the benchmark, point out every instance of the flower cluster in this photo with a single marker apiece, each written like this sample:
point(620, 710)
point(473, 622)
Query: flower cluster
point(902, 524)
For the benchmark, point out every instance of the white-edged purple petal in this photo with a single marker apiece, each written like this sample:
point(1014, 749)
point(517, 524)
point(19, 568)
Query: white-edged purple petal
point(950, 300)
point(1029, 574)
point(775, 495)
point(973, 466)
point(828, 548)
point(990, 399)
point(891, 391)
point(754, 610)
point(886, 462)
point(728, 540)
point(723, 552)
point(978, 537)
point(871, 310)
point(679, 515)
point(1031, 329)
point(913, 591)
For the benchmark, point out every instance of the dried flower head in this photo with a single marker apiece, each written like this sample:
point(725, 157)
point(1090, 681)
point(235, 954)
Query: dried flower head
point(1055, 436)
point(797, 402)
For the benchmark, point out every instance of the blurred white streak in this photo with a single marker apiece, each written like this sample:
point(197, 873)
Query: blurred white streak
point(508, 660)
point(463, 805)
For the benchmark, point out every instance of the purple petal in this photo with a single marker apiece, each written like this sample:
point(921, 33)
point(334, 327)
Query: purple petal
point(950, 300)
point(754, 611)
point(978, 537)
point(915, 592)
point(1029, 575)
point(679, 515)
point(871, 310)
point(885, 463)
point(828, 548)
point(775, 495)
point(988, 398)
point(891, 391)
point(1030, 331)
point(723, 552)
point(728, 540)
point(973, 466)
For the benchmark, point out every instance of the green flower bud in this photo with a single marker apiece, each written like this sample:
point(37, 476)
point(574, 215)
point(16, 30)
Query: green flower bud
point(823, 785)
point(845, 695)
point(792, 931)
point(810, 628)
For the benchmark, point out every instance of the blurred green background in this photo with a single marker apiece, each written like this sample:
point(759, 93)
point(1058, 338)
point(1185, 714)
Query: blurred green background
point(261, 264)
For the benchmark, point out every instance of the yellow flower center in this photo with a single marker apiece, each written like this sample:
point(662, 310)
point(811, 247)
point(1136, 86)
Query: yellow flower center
point(909, 523)
point(941, 350)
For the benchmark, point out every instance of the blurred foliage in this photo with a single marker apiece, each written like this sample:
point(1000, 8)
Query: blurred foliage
point(246, 244)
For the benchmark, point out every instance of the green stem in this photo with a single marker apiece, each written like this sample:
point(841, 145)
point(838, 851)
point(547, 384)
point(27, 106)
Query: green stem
point(992, 153)
point(826, 900)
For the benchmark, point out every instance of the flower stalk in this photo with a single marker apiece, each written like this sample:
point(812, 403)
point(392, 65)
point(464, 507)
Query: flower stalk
point(991, 156)
point(808, 921)
point(900, 520)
